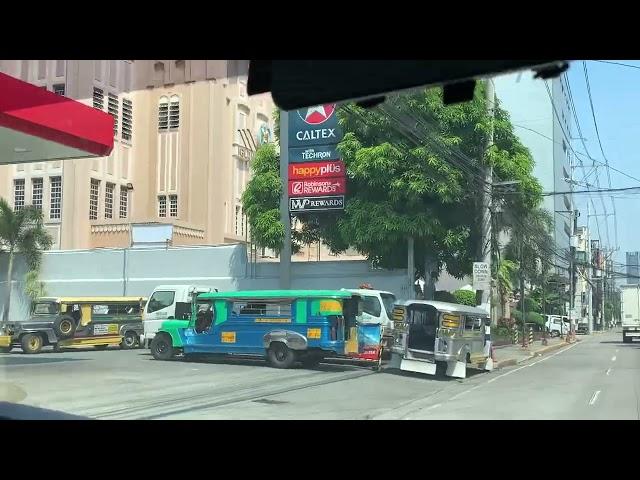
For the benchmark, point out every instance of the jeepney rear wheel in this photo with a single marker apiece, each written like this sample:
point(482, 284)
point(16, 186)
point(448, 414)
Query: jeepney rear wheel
point(129, 341)
point(162, 347)
point(31, 343)
point(280, 356)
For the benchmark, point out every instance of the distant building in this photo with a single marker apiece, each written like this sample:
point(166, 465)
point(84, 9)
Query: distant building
point(633, 267)
point(541, 116)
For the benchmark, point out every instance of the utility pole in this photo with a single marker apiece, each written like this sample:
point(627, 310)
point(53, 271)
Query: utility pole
point(589, 274)
point(285, 218)
point(483, 296)
point(524, 324)
point(411, 267)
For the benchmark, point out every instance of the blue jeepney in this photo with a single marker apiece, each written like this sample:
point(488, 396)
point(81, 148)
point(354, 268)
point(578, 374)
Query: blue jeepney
point(285, 326)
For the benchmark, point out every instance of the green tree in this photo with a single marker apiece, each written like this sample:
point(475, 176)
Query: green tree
point(21, 232)
point(413, 171)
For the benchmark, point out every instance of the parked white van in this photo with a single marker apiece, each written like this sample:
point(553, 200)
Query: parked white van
point(557, 325)
point(168, 302)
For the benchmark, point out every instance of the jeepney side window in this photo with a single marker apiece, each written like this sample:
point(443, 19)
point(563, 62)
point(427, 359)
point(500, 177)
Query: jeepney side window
point(472, 324)
point(257, 309)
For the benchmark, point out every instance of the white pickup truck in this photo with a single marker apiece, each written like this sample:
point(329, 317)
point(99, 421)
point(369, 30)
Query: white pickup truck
point(630, 312)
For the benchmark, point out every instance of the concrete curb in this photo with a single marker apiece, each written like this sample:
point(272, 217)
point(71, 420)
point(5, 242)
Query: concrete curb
point(509, 362)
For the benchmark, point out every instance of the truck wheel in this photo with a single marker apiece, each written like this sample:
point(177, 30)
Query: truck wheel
point(129, 341)
point(31, 343)
point(64, 326)
point(280, 356)
point(162, 347)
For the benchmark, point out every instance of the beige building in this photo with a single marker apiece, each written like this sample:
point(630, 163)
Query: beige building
point(185, 132)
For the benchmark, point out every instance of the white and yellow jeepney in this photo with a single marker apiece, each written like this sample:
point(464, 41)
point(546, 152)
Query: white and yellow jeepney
point(430, 333)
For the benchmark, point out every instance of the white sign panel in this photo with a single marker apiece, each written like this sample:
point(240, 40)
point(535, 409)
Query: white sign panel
point(481, 276)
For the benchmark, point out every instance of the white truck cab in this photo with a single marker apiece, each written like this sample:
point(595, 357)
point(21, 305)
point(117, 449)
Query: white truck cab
point(168, 302)
point(377, 308)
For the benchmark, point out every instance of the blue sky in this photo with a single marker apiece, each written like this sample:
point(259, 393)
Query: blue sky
point(615, 92)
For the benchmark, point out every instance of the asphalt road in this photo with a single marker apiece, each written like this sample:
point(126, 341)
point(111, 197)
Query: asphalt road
point(597, 378)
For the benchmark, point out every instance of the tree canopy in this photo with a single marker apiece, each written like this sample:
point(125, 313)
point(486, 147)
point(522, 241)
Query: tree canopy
point(414, 169)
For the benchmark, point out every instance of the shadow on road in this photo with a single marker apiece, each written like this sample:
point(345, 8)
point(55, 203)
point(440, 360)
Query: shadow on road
point(621, 343)
point(439, 376)
point(11, 360)
point(330, 366)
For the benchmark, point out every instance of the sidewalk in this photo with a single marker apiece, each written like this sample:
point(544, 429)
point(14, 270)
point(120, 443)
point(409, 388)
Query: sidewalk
point(513, 354)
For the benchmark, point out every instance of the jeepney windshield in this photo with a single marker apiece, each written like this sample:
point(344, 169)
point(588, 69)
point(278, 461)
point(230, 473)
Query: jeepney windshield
point(45, 308)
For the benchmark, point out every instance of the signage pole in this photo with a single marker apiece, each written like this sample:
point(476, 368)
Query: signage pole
point(285, 253)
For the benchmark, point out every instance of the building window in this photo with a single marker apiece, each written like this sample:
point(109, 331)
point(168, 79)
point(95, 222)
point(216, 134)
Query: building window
point(112, 108)
point(162, 206)
point(36, 193)
point(169, 113)
point(108, 200)
point(93, 199)
point(173, 205)
point(239, 222)
point(98, 98)
point(127, 116)
point(241, 124)
point(18, 194)
point(163, 114)
point(124, 201)
point(55, 204)
point(174, 112)
point(58, 89)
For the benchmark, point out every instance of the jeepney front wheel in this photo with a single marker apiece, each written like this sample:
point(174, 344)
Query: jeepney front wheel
point(31, 343)
point(280, 356)
point(162, 347)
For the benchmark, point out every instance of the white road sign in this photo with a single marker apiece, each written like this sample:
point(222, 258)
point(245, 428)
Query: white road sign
point(481, 276)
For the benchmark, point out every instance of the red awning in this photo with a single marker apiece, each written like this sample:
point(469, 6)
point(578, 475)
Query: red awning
point(38, 125)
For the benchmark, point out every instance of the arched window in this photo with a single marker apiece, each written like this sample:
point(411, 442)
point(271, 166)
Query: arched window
point(169, 113)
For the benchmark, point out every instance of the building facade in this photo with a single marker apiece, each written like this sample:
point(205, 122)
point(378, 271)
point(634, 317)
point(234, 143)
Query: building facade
point(540, 112)
point(185, 132)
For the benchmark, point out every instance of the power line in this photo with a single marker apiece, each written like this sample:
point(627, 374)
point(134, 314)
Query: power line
point(619, 64)
point(595, 123)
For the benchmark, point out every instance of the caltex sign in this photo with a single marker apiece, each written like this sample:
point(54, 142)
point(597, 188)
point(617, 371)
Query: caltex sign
point(317, 176)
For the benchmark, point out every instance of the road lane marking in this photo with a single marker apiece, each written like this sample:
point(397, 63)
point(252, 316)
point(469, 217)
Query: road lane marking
point(594, 398)
point(532, 364)
point(608, 372)
point(613, 359)
point(458, 395)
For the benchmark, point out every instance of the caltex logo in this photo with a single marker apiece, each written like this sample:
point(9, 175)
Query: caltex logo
point(317, 115)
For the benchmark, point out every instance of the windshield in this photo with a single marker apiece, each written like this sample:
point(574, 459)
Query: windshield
point(513, 196)
point(388, 300)
point(45, 308)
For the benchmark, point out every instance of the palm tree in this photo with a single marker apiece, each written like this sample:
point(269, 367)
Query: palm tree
point(21, 232)
point(504, 282)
